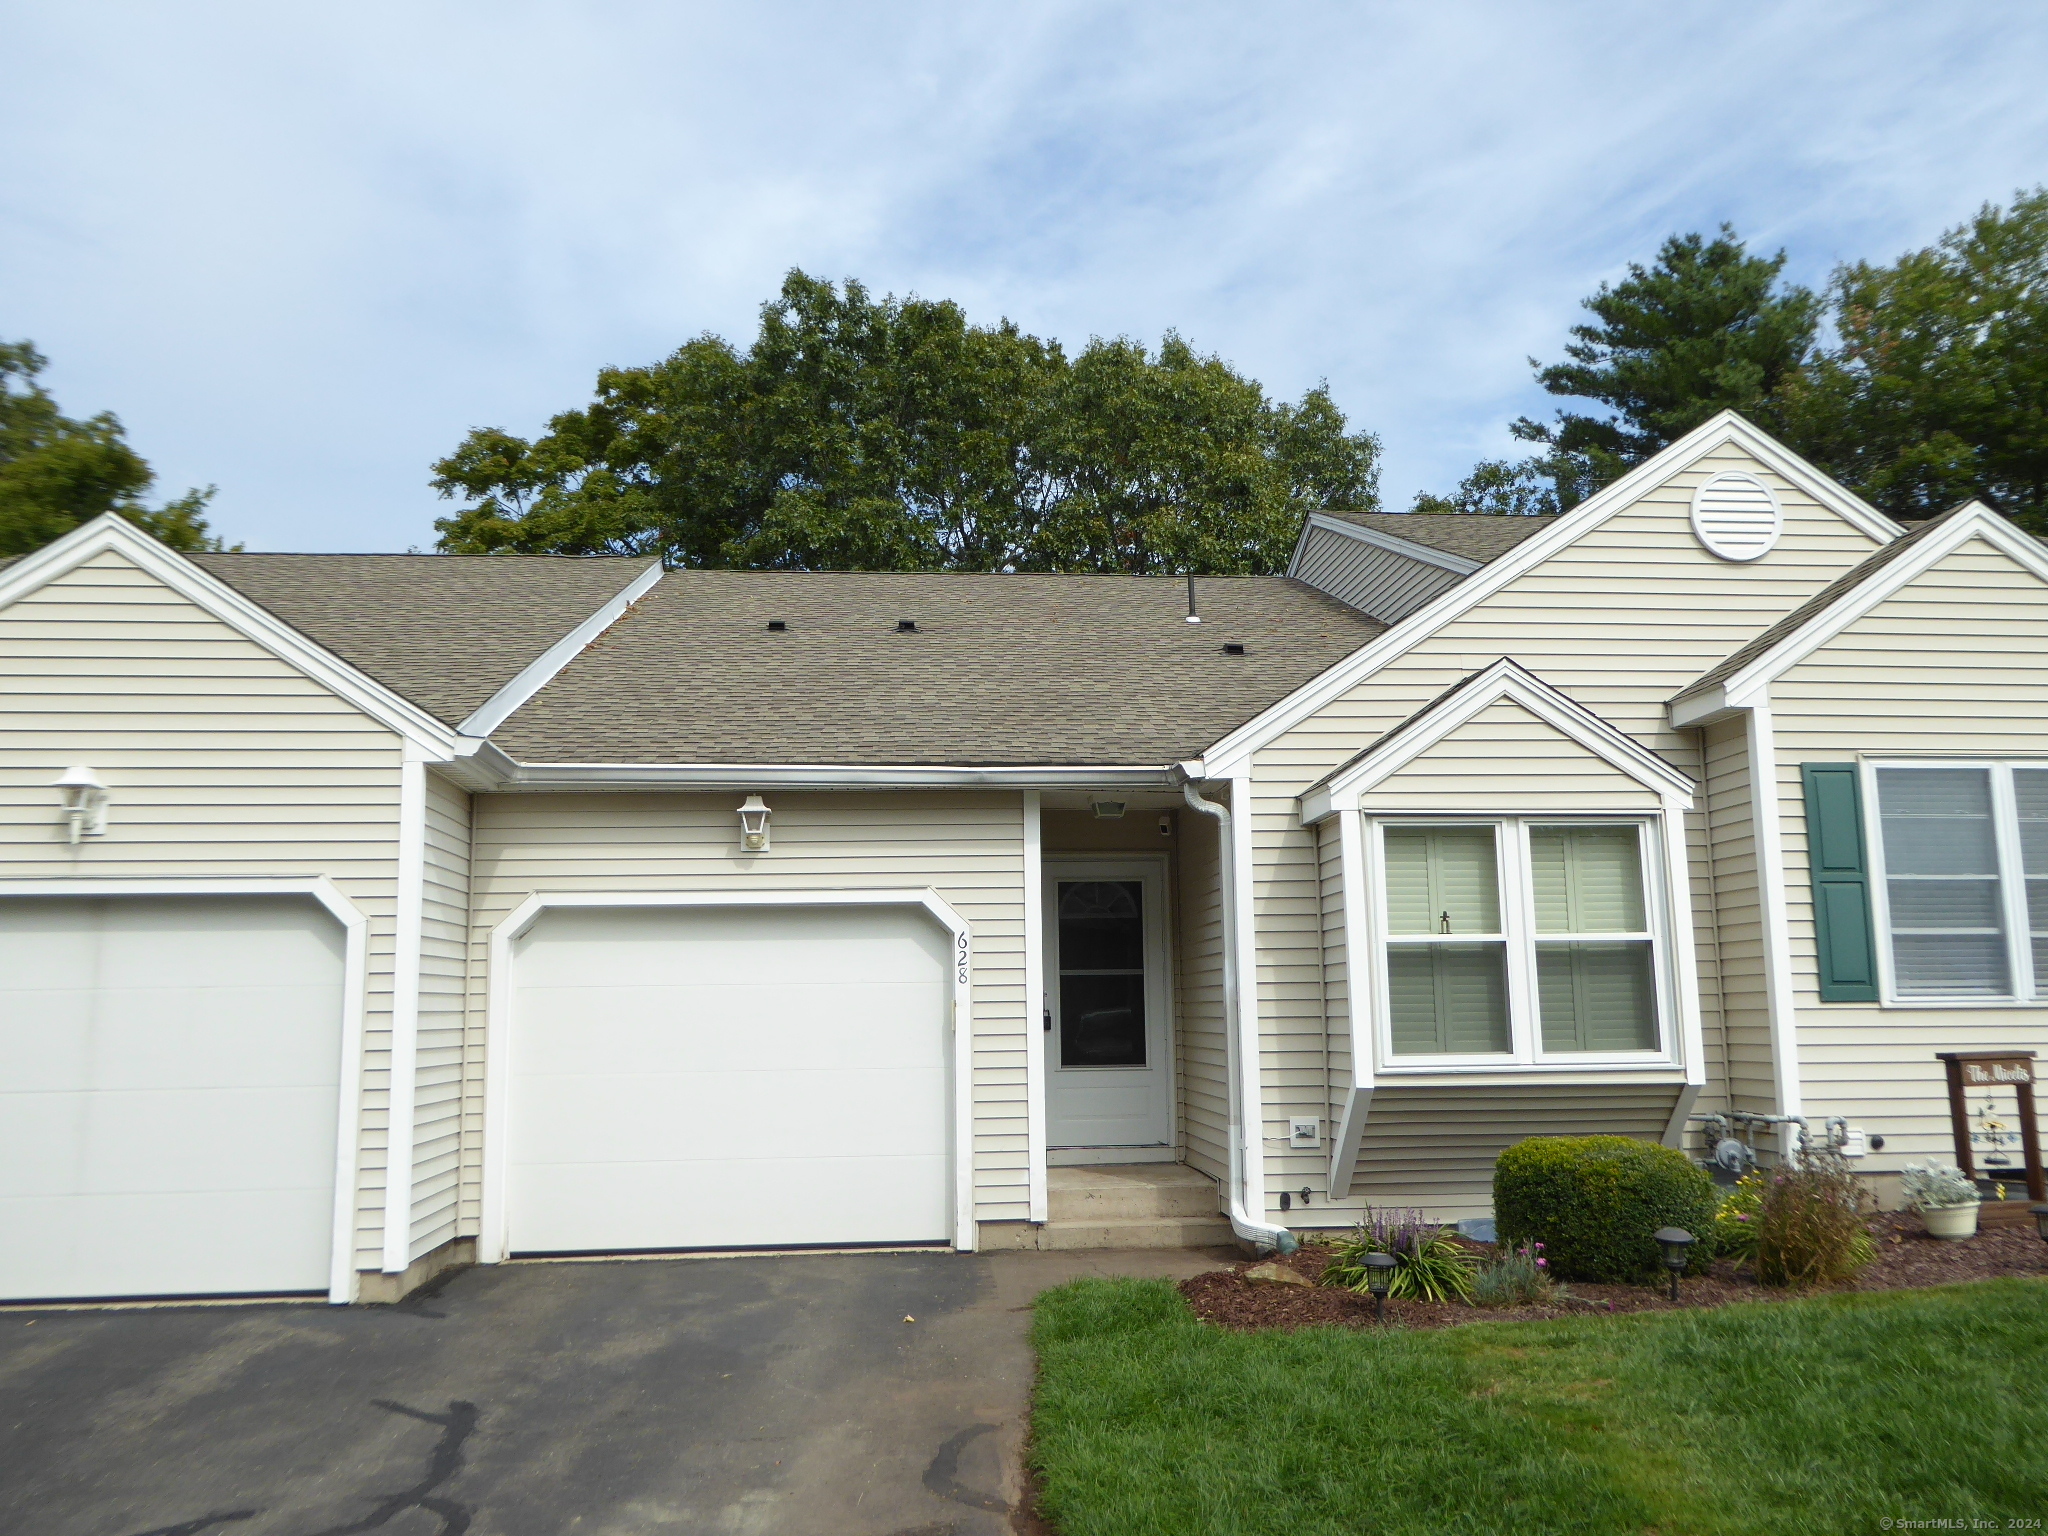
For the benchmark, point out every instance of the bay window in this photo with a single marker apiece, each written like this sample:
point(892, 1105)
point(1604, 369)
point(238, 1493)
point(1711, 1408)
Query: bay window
point(1963, 877)
point(1520, 940)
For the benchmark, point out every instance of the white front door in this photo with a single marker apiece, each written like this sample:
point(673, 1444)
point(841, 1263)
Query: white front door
point(1107, 1036)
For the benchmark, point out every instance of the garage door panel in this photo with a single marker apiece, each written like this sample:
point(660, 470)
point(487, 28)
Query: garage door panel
point(722, 1027)
point(764, 1202)
point(166, 1245)
point(728, 946)
point(790, 1113)
point(173, 1075)
point(693, 1077)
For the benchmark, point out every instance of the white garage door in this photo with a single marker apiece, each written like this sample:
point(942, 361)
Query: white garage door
point(169, 1077)
point(729, 1078)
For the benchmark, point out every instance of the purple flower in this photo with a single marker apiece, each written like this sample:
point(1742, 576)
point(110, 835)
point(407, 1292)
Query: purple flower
point(1542, 1263)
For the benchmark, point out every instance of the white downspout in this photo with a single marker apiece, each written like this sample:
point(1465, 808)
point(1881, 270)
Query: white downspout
point(1241, 1046)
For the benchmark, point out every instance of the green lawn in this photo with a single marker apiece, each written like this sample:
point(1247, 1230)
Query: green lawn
point(1790, 1417)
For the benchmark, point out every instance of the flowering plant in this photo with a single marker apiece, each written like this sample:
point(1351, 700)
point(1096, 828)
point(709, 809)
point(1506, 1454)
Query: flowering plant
point(1517, 1277)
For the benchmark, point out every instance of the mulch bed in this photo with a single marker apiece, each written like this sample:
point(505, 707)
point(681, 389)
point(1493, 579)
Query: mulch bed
point(1906, 1258)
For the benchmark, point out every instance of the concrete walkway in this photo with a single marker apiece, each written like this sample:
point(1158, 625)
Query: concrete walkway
point(783, 1395)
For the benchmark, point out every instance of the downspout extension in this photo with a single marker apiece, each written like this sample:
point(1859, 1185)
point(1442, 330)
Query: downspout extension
point(1245, 1110)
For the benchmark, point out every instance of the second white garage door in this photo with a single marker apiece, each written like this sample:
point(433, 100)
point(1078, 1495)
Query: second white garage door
point(692, 1077)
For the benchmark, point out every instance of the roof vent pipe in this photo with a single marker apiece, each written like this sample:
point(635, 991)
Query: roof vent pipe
point(1193, 617)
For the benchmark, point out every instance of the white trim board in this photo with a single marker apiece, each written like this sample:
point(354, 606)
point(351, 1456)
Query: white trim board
point(1751, 685)
point(341, 1277)
point(254, 623)
point(832, 776)
point(1233, 752)
point(1393, 543)
point(539, 672)
point(1035, 1066)
point(491, 1239)
point(1505, 681)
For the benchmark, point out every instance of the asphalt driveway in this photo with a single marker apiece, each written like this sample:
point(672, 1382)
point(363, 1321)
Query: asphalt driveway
point(773, 1395)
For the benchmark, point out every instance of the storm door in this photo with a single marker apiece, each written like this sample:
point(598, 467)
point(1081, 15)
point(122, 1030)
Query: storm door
point(1107, 1038)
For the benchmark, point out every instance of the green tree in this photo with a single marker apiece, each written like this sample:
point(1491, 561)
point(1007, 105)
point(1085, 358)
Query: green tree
point(890, 434)
point(56, 472)
point(1496, 487)
point(1705, 329)
point(1936, 389)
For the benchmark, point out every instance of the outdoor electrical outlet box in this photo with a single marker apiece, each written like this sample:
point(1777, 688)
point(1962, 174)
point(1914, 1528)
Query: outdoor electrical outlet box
point(1305, 1134)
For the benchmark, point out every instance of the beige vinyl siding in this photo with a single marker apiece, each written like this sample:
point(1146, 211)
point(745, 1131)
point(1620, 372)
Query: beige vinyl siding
point(968, 846)
point(1619, 620)
point(444, 963)
point(1955, 663)
point(1337, 1043)
point(1204, 1073)
point(1743, 1026)
point(1374, 580)
point(1506, 759)
point(1434, 1145)
point(222, 760)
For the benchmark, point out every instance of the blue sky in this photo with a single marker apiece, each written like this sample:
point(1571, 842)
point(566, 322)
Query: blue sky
point(301, 251)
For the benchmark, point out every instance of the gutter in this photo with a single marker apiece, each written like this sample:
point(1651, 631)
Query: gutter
point(504, 772)
point(1240, 1033)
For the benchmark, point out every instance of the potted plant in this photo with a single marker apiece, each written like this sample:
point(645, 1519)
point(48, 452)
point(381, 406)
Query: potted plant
point(1945, 1199)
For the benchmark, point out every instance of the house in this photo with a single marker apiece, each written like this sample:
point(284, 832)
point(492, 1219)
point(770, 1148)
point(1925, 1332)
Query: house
point(363, 914)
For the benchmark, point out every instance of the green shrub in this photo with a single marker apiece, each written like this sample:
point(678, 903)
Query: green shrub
point(1735, 1221)
point(1594, 1201)
point(1809, 1224)
point(1517, 1277)
point(1429, 1263)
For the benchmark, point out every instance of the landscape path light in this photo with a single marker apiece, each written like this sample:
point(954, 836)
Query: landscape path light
point(2040, 1215)
point(1379, 1279)
point(1677, 1245)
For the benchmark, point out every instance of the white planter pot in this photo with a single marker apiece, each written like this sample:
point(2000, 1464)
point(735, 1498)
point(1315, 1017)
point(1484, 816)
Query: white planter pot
point(1951, 1223)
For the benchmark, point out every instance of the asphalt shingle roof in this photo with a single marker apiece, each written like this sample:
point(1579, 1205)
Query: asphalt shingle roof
point(445, 631)
point(1475, 535)
point(1002, 669)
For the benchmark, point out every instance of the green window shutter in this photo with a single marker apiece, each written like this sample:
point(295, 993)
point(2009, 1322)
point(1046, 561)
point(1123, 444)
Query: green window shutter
point(1841, 883)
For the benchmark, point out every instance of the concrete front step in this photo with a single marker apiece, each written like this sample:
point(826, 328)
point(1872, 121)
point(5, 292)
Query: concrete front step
point(1123, 1192)
point(1145, 1232)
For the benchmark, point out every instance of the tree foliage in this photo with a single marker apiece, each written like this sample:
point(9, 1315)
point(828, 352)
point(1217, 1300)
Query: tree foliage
point(1707, 328)
point(890, 434)
point(1917, 384)
point(1936, 388)
point(1497, 488)
point(57, 472)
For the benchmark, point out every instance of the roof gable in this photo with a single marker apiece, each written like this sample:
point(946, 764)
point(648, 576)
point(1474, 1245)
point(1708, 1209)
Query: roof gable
point(1456, 708)
point(1744, 679)
point(1230, 753)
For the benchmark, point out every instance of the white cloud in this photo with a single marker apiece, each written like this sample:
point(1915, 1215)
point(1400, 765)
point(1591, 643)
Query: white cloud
point(301, 253)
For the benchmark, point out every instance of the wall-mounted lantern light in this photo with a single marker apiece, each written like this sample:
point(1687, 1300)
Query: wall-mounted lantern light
point(85, 802)
point(754, 816)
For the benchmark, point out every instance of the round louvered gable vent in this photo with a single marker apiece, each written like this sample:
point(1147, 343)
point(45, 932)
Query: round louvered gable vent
point(1736, 517)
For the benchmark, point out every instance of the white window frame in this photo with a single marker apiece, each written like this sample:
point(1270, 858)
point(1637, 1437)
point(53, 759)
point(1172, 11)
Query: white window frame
point(2005, 826)
point(1525, 1051)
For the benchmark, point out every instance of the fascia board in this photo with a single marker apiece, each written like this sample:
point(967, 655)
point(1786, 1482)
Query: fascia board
point(539, 672)
point(1235, 749)
point(1511, 683)
point(255, 623)
point(1750, 684)
point(1458, 564)
point(827, 776)
point(1702, 708)
point(1318, 805)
